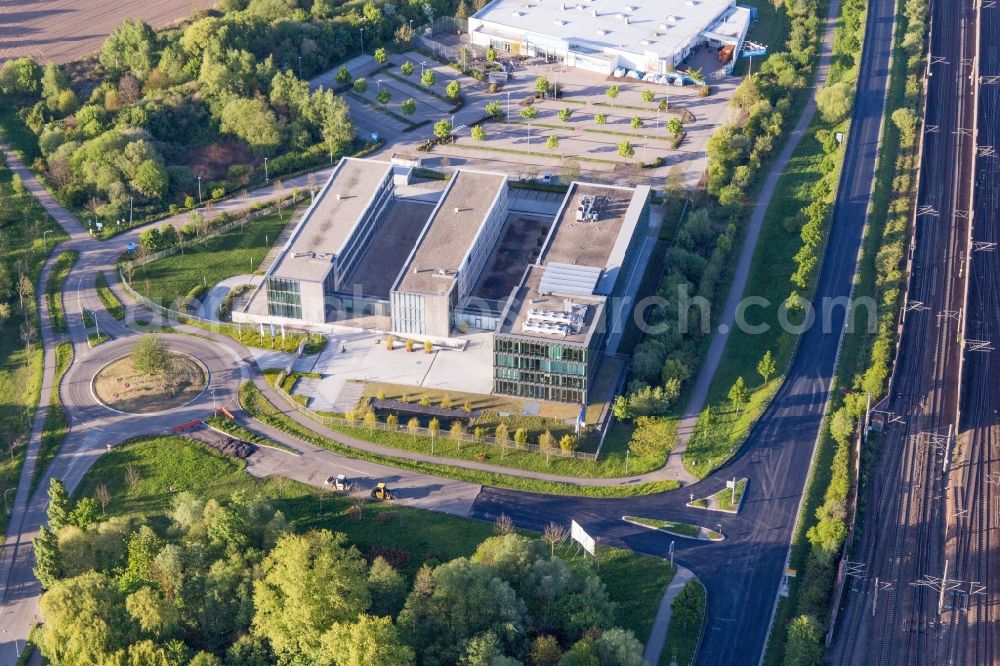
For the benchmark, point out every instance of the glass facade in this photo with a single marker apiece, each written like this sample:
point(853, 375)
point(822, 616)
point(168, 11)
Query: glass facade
point(407, 312)
point(283, 298)
point(540, 369)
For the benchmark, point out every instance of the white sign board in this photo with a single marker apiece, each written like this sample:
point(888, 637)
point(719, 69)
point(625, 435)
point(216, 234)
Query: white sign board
point(578, 534)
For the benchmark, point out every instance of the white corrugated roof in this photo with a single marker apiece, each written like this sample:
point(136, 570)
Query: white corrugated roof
point(569, 279)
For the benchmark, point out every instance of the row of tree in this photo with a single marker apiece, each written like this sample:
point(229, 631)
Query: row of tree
point(230, 583)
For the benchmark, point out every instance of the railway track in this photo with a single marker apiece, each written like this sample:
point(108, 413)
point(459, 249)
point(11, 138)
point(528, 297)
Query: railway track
point(892, 609)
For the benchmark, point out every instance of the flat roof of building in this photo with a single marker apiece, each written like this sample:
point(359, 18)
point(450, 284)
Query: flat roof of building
point(579, 264)
point(328, 223)
point(529, 302)
point(663, 27)
point(588, 242)
point(433, 265)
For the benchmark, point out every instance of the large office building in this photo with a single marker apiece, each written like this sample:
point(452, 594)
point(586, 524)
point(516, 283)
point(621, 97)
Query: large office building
point(649, 36)
point(540, 280)
point(552, 336)
point(449, 254)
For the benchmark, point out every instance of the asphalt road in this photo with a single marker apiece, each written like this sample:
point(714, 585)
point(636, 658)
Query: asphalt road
point(743, 572)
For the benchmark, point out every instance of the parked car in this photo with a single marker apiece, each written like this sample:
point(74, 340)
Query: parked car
point(338, 482)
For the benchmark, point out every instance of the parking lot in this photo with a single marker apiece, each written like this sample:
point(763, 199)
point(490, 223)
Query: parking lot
point(591, 135)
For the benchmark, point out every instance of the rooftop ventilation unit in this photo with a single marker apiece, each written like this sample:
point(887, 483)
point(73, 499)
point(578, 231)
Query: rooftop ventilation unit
point(590, 208)
point(560, 22)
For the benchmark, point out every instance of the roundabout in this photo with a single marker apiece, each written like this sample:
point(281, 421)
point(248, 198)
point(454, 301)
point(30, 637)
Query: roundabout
point(121, 386)
point(103, 391)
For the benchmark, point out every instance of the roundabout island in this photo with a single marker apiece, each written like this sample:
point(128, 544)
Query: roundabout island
point(136, 385)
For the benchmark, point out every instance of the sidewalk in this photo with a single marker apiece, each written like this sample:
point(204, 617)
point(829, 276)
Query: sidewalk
point(661, 625)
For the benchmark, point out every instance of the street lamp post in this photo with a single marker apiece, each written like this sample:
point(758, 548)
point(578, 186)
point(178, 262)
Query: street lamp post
point(199, 190)
point(265, 170)
point(362, 40)
point(300, 67)
point(5, 506)
point(453, 127)
point(130, 211)
point(45, 242)
point(213, 401)
point(508, 106)
point(422, 63)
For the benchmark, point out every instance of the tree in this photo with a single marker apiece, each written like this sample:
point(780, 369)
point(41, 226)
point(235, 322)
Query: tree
point(409, 106)
point(906, 120)
point(529, 113)
point(103, 496)
point(651, 438)
point(648, 96)
point(766, 367)
point(252, 121)
point(83, 619)
point(478, 133)
point(521, 437)
point(612, 93)
point(428, 78)
point(60, 507)
point(601, 118)
point(453, 91)
point(494, 109)
point(381, 56)
point(369, 640)
point(383, 96)
point(803, 647)
point(626, 149)
point(545, 651)
point(552, 142)
point(310, 582)
point(542, 86)
point(370, 420)
point(387, 587)
point(151, 357)
point(834, 101)
point(675, 126)
point(21, 76)
point(150, 179)
point(132, 46)
point(406, 68)
point(554, 535)
point(361, 85)
point(392, 422)
point(25, 293)
point(442, 129)
point(413, 425)
point(434, 427)
point(54, 82)
point(156, 616)
point(343, 76)
point(502, 437)
point(457, 431)
point(48, 561)
point(461, 600)
point(567, 444)
point(462, 10)
point(565, 114)
point(636, 122)
point(545, 444)
point(738, 395)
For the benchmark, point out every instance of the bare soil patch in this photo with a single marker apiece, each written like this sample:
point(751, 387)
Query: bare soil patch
point(120, 386)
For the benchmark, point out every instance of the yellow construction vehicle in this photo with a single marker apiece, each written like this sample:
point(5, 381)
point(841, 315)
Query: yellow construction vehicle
point(381, 492)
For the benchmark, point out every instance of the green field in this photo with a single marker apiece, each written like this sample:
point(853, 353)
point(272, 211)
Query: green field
point(235, 252)
point(168, 465)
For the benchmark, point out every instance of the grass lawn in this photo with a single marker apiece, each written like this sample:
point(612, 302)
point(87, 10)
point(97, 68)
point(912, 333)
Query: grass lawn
point(54, 286)
point(686, 625)
point(235, 252)
point(108, 298)
point(723, 500)
point(770, 29)
point(55, 427)
point(259, 407)
point(168, 465)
